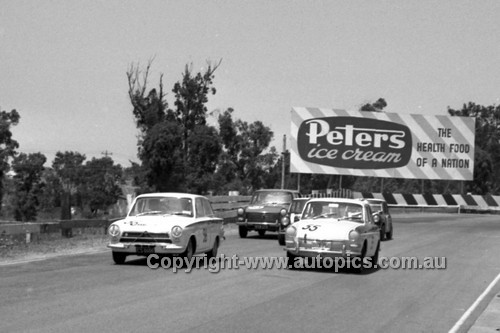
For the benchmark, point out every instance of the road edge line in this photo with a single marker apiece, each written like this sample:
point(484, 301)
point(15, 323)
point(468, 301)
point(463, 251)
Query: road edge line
point(474, 305)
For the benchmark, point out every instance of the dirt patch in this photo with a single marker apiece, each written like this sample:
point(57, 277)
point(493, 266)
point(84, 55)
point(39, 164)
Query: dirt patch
point(52, 247)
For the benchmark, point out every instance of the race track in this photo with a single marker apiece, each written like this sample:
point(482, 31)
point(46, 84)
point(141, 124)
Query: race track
point(88, 293)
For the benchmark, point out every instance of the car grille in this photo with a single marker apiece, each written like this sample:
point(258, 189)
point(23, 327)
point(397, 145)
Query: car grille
point(336, 246)
point(262, 217)
point(145, 237)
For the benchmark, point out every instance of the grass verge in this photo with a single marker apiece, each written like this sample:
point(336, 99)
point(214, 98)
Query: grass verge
point(52, 245)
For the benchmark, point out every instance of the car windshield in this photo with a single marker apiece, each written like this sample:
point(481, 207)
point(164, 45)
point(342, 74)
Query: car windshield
point(297, 206)
point(162, 206)
point(376, 207)
point(271, 198)
point(336, 210)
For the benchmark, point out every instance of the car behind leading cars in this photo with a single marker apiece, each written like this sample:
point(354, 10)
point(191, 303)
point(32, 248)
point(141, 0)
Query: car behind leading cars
point(334, 227)
point(166, 224)
point(264, 213)
point(292, 216)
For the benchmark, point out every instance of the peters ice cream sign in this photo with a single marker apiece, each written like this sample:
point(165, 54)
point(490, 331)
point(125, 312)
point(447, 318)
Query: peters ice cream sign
point(382, 144)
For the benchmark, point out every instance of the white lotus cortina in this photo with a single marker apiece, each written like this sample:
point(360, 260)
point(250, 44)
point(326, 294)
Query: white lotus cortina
point(334, 227)
point(166, 224)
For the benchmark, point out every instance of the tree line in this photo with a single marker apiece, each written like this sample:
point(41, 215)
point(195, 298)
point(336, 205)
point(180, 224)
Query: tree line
point(180, 151)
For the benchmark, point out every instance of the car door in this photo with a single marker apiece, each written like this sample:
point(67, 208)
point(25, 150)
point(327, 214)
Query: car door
point(371, 230)
point(202, 235)
point(214, 223)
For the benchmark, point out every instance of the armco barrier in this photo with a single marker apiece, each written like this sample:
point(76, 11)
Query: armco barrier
point(11, 233)
point(70, 227)
point(227, 206)
point(463, 203)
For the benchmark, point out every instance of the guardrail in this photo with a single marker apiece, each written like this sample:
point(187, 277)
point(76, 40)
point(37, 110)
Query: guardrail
point(226, 207)
point(16, 232)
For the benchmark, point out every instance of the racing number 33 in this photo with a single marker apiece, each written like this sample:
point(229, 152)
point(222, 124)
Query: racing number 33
point(310, 227)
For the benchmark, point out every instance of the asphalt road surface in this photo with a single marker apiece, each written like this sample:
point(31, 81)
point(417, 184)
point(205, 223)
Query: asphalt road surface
point(88, 293)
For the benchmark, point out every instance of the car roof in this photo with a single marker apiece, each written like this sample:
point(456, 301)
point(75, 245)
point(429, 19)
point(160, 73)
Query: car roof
point(170, 195)
point(374, 200)
point(276, 190)
point(342, 200)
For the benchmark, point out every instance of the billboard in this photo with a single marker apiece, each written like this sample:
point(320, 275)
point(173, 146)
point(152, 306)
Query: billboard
point(379, 144)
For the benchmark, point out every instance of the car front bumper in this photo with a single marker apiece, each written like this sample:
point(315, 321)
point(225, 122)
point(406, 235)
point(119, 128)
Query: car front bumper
point(147, 248)
point(271, 226)
point(332, 249)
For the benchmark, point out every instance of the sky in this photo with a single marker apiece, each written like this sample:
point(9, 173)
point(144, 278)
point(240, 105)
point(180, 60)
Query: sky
point(63, 63)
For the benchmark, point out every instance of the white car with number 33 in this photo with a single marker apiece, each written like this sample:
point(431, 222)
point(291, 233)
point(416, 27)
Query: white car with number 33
point(166, 224)
point(334, 227)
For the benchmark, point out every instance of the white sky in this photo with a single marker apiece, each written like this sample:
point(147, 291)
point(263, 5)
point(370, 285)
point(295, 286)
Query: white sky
point(63, 63)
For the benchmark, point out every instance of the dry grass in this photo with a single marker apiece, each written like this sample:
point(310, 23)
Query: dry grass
point(51, 245)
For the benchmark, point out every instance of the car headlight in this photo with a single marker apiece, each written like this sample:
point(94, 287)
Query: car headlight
point(114, 232)
point(283, 212)
point(241, 211)
point(353, 235)
point(176, 231)
point(376, 218)
point(285, 221)
point(291, 231)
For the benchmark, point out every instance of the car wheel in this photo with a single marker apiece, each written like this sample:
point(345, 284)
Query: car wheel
point(388, 235)
point(281, 239)
point(189, 252)
point(262, 233)
point(243, 231)
point(119, 258)
point(291, 260)
point(382, 232)
point(360, 266)
point(375, 256)
point(213, 252)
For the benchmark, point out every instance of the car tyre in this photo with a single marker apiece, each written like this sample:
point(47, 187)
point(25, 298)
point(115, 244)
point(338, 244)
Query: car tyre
point(382, 232)
point(291, 260)
point(281, 239)
point(119, 257)
point(189, 252)
point(374, 258)
point(388, 235)
point(360, 269)
point(243, 231)
point(213, 252)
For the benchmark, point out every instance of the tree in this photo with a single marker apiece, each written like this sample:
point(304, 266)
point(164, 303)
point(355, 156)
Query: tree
point(50, 192)
point(161, 157)
point(101, 186)
point(149, 109)
point(204, 150)
point(136, 176)
point(378, 106)
point(244, 158)
point(69, 168)
point(8, 145)
point(191, 96)
point(28, 184)
point(168, 146)
point(487, 147)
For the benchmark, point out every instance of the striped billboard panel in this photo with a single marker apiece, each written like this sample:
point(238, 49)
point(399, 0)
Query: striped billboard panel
point(379, 144)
